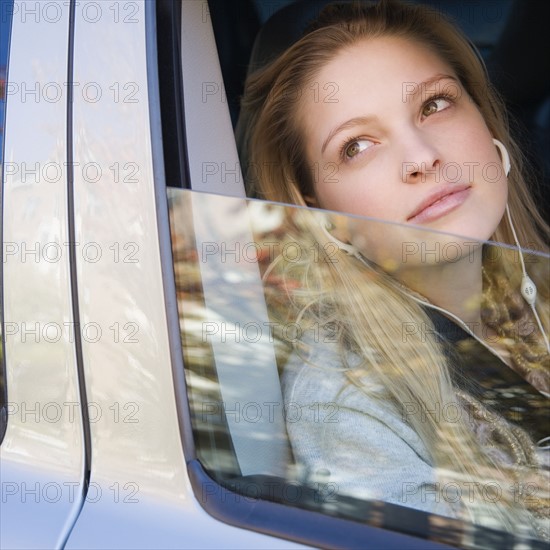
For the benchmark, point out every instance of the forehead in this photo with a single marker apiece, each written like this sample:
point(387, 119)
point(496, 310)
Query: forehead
point(388, 64)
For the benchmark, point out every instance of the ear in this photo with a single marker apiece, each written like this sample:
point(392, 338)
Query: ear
point(311, 201)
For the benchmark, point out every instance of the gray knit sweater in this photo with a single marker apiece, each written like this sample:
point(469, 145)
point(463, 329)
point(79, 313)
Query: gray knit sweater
point(362, 446)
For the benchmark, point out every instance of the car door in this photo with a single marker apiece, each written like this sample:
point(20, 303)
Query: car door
point(43, 458)
point(92, 455)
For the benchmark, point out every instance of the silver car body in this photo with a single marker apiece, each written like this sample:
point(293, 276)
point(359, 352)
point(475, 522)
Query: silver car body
point(106, 270)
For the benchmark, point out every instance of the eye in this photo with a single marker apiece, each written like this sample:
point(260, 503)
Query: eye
point(434, 105)
point(355, 146)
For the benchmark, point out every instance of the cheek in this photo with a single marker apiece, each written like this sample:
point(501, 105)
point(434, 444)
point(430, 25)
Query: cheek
point(349, 193)
point(496, 197)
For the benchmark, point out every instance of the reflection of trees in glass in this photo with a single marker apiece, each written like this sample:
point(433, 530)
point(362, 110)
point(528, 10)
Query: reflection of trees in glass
point(210, 430)
point(270, 236)
point(283, 245)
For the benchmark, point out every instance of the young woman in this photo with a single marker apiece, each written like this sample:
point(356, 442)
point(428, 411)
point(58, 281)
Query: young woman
point(409, 131)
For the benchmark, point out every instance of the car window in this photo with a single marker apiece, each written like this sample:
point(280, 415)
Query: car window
point(6, 10)
point(285, 402)
point(286, 407)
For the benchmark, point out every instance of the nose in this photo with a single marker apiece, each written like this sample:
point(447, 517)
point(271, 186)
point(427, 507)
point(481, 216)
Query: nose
point(420, 158)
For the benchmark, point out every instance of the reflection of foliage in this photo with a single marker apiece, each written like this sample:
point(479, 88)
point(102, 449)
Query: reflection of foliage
point(271, 233)
point(210, 431)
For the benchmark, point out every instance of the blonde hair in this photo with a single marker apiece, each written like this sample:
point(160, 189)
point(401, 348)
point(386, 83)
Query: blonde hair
point(370, 307)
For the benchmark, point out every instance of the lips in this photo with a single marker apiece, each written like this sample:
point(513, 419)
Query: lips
point(439, 203)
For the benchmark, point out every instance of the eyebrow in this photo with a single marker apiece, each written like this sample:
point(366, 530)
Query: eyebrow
point(360, 120)
point(430, 81)
point(363, 120)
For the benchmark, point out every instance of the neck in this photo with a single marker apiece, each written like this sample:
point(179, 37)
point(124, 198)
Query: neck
point(455, 287)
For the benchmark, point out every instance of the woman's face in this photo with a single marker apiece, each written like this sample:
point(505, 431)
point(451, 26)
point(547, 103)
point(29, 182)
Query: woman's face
point(399, 139)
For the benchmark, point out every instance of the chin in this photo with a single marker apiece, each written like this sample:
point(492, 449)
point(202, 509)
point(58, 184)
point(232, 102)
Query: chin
point(476, 227)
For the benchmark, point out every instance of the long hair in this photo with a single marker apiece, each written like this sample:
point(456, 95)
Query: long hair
point(368, 306)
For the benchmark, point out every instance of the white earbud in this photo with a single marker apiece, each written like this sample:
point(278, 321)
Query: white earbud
point(503, 155)
point(528, 290)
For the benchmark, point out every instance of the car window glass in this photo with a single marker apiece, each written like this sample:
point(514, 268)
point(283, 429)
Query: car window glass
point(6, 9)
point(289, 404)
